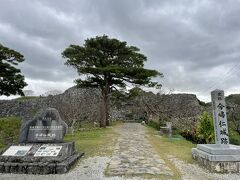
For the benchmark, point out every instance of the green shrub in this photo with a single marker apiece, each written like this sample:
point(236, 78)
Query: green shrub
point(204, 131)
point(234, 136)
point(191, 135)
point(9, 130)
point(205, 128)
point(154, 125)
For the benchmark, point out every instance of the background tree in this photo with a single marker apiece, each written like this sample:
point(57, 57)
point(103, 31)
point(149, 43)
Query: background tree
point(108, 64)
point(28, 92)
point(11, 80)
point(53, 92)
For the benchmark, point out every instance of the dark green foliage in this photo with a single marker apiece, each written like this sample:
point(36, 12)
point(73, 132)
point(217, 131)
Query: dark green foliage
point(234, 120)
point(123, 95)
point(118, 96)
point(11, 80)
point(136, 91)
point(233, 111)
point(201, 103)
point(234, 98)
point(111, 61)
point(191, 135)
point(203, 133)
point(154, 125)
point(234, 136)
point(129, 116)
point(108, 64)
point(9, 130)
point(131, 94)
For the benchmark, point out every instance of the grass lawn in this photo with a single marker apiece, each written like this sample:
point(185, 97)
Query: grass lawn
point(176, 146)
point(99, 141)
point(95, 141)
point(9, 130)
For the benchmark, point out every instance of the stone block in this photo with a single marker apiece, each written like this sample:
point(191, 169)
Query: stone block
point(215, 157)
point(219, 149)
point(218, 162)
point(167, 130)
point(29, 164)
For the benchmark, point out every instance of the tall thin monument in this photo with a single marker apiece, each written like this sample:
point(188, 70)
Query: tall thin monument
point(221, 156)
point(220, 117)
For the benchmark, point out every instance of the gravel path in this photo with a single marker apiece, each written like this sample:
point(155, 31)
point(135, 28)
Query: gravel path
point(194, 171)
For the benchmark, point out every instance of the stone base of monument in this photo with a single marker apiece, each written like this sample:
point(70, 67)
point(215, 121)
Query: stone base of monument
point(39, 158)
point(223, 159)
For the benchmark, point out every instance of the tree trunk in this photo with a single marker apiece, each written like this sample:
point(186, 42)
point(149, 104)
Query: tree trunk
point(107, 116)
point(105, 108)
point(103, 115)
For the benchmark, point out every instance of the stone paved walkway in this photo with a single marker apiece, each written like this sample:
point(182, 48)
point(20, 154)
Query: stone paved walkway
point(134, 155)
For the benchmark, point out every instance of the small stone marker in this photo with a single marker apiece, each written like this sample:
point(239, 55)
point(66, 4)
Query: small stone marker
point(220, 117)
point(166, 130)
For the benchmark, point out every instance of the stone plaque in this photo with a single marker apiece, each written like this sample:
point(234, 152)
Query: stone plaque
point(46, 150)
point(17, 151)
point(45, 133)
point(45, 127)
point(220, 117)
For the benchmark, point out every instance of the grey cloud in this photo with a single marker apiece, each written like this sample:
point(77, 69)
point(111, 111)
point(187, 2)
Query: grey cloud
point(187, 40)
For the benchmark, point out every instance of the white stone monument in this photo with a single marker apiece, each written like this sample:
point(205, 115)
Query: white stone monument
point(220, 118)
point(221, 156)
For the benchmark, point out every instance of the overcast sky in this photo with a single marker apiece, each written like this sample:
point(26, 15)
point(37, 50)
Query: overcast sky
point(195, 44)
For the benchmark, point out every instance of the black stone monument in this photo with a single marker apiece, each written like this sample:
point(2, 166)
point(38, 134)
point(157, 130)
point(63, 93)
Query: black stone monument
point(46, 127)
point(41, 149)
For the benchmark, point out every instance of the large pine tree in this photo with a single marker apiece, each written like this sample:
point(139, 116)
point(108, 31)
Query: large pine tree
point(107, 63)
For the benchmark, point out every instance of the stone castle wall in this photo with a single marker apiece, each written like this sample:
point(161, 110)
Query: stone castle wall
point(79, 105)
point(181, 109)
point(73, 105)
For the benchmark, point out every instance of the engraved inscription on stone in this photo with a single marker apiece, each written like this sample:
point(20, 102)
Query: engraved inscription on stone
point(17, 151)
point(220, 117)
point(46, 150)
point(47, 127)
point(45, 133)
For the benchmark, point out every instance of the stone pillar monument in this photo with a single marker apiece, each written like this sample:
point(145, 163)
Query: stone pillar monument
point(220, 117)
point(221, 156)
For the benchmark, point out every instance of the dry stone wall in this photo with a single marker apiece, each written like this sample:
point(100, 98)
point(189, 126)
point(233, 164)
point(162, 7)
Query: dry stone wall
point(73, 105)
point(181, 109)
point(79, 105)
